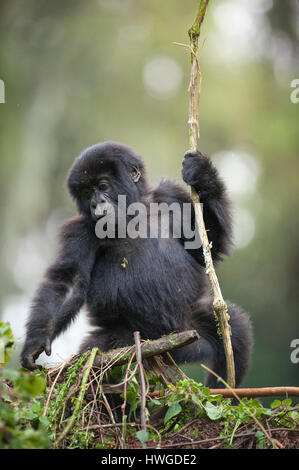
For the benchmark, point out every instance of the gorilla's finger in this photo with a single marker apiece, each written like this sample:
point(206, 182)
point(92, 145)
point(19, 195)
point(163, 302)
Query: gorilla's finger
point(28, 363)
point(48, 347)
point(37, 353)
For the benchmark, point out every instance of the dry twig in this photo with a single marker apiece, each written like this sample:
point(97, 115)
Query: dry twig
point(142, 381)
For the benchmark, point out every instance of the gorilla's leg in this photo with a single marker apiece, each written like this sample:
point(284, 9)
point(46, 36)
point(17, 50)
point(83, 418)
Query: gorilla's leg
point(106, 339)
point(209, 349)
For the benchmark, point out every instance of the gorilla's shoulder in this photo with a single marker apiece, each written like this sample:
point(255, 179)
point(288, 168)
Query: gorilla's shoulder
point(74, 228)
point(168, 189)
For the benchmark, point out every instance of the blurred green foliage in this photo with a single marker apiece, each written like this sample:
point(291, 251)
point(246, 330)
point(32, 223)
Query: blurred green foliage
point(32, 414)
point(6, 342)
point(74, 76)
point(22, 425)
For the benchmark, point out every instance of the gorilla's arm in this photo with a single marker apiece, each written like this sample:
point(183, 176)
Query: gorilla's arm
point(62, 293)
point(199, 172)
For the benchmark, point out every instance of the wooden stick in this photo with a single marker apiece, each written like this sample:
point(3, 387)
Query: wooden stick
point(257, 392)
point(220, 307)
point(248, 392)
point(142, 381)
point(149, 348)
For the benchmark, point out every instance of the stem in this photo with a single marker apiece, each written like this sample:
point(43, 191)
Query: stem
point(80, 398)
point(220, 307)
point(142, 381)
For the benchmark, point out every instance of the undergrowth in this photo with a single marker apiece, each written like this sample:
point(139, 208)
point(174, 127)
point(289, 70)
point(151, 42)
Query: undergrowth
point(79, 404)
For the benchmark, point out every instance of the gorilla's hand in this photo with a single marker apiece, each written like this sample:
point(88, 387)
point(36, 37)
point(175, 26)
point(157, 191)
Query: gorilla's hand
point(33, 347)
point(199, 172)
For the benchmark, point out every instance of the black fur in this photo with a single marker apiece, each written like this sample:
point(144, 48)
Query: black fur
point(161, 288)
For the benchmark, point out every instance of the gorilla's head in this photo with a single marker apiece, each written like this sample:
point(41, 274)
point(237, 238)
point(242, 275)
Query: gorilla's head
point(103, 172)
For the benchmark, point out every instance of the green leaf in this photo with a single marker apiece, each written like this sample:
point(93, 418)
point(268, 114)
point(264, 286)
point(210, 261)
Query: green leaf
point(44, 422)
point(294, 415)
point(30, 415)
point(142, 436)
point(6, 342)
point(275, 404)
point(196, 400)
point(213, 412)
point(11, 374)
point(172, 411)
point(131, 397)
point(261, 439)
point(31, 439)
point(155, 402)
point(287, 402)
point(30, 385)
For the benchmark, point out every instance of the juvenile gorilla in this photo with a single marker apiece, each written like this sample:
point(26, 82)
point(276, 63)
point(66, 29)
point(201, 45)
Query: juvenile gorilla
point(152, 285)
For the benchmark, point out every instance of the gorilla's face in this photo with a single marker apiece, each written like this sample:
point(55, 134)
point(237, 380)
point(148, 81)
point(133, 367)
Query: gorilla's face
point(101, 174)
point(98, 199)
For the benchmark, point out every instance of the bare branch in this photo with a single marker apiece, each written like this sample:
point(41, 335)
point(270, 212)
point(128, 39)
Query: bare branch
point(149, 348)
point(142, 381)
point(220, 307)
point(257, 392)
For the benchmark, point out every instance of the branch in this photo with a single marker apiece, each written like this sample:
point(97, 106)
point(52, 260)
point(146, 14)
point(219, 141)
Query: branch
point(248, 392)
point(142, 381)
point(149, 348)
point(256, 392)
point(220, 307)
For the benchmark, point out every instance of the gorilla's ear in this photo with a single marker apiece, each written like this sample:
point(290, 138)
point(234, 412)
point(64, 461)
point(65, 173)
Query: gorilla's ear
point(135, 174)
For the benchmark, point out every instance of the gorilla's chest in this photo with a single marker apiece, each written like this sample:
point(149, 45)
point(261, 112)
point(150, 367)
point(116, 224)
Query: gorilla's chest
point(143, 277)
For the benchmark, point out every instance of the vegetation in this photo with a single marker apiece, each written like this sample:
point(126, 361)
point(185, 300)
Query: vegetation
point(73, 406)
point(22, 394)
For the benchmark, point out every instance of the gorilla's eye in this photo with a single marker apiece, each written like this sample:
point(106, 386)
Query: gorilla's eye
point(103, 185)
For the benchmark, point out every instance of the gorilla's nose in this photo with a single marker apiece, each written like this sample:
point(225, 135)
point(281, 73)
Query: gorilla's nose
point(101, 209)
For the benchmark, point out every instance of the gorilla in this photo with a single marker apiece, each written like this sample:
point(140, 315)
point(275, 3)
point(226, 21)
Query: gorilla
point(154, 284)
